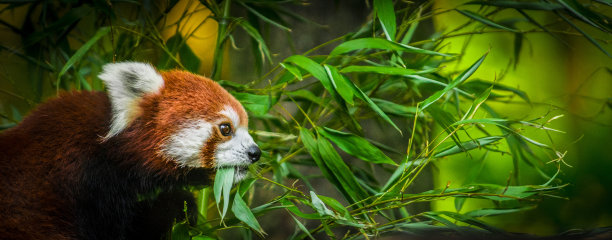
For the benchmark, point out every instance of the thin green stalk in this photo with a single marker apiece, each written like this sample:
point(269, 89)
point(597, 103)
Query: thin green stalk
point(157, 42)
point(221, 39)
point(204, 196)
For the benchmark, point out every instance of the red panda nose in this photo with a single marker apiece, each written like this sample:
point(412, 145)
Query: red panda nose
point(254, 153)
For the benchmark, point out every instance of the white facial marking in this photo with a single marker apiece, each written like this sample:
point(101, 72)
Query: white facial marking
point(186, 145)
point(230, 113)
point(234, 152)
point(127, 82)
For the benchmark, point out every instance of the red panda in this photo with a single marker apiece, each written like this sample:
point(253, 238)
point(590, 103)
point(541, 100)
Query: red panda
point(76, 166)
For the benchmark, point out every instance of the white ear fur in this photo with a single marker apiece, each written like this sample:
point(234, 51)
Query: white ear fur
point(126, 83)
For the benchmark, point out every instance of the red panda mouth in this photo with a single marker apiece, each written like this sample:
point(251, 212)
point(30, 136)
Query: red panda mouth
point(241, 168)
point(238, 168)
point(240, 173)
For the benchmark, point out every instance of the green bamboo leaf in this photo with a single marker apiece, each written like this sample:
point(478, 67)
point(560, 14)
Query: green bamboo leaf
point(518, 46)
point(512, 191)
point(436, 217)
point(286, 78)
point(445, 119)
point(395, 109)
point(212, 6)
point(413, 27)
point(190, 61)
point(244, 214)
point(349, 222)
point(495, 121)
point(385, 70)
point(479, 86)
point(302, 227)
point(417, 79)
point(78, 55)
point(293, 70)
point(485, 212)
point(333, 203)
point(586, 35)
point(477, 102)
point(316, 70)
point(272, 205)
point(470, 220)
point(340, 83)
point(83, 82)
point(28, 58)
point(180, 231)
point(606, 2)
point(504, 123)
point(361, 95)
point(255, 104)
point(519, 5)
point(310, 66)
point(484, 20)
point(261, 43)
point(319, 206)
point(73, 16)
point(263, 17)
point(201, 237)
point(592, 18)
point(395, 176)
point(356, 146)
point(523, 192)
point(459, 201)
point(178, 45)
point(534, 142)
point(245, 185)
point(172, 45)
point(460, 79)
point(421, 227)
point(386, 16)
point(474, 172)
point(467, 146)
point(289, 205)
point(17, 116)
point(222, 186)
point(311, 146)
point(320, 73)
point(534, 22)
point(379, 43)
point(307, 95)
point(341, 171)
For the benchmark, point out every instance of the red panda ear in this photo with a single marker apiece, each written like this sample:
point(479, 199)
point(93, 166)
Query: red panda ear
point(126, 83)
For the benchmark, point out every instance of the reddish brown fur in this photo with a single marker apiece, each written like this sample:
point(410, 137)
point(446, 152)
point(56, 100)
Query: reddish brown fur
point(209, 149)
point(199, 98)
point(42, 159)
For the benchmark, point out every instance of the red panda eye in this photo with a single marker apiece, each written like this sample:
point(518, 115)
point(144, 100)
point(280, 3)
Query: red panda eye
point(225, 129)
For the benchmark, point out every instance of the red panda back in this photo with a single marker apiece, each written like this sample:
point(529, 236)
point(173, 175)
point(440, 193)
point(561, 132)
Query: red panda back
point(35, 163)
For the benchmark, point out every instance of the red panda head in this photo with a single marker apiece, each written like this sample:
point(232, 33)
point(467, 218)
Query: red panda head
point(194, 122)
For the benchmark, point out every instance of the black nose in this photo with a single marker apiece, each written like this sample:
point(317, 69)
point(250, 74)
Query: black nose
point(254, 153)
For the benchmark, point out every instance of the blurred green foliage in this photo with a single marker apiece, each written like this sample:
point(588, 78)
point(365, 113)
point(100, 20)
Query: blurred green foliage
point(359, 131)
